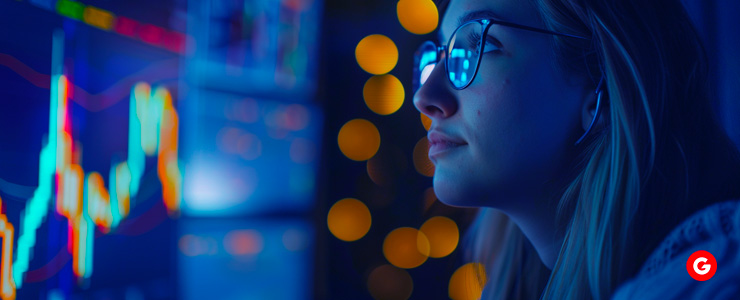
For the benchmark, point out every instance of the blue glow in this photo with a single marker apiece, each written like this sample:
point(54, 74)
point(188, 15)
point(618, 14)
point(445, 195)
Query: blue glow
point(271, 260)
point(427, 58)
point(37, 207)
point(221, 180)
point(136, 153)
point(456, 53)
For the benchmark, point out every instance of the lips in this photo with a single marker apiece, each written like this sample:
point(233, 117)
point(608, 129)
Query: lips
point(440, 143)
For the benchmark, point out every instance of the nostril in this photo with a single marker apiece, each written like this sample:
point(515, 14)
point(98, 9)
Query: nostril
point(433, 110)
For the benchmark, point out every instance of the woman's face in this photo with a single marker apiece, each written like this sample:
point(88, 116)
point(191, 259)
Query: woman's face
point(514, 127)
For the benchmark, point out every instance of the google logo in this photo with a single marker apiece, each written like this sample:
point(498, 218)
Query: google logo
point(701, 265)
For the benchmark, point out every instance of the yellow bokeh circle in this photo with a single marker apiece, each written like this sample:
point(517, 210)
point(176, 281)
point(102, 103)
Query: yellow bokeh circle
point(376, 54)
point(387, 282)
point(467, 282)
point(421, 158)
point(443, 236)
point(426, 121)
point(378, 171)
point(359, 139)
point(406, 247)
point(429, 198)
point(417, 16)
point(349, 219)
point(383, 94)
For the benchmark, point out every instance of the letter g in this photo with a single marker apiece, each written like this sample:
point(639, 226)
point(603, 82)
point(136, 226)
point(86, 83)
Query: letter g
point(704, 268)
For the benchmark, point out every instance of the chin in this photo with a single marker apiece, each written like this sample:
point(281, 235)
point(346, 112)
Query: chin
point(461, 189)
point(456, 191)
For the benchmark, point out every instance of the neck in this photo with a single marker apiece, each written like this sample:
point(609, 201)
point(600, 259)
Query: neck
point(538, 223)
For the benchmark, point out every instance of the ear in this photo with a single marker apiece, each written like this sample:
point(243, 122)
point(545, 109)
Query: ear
point(588, 110)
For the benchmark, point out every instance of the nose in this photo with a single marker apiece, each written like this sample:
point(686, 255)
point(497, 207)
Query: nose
point(436, 98)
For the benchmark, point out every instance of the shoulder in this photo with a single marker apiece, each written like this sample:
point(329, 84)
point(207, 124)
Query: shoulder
point(715, 229)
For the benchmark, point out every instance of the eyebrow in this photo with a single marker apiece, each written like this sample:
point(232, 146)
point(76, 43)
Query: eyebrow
point(469, 16)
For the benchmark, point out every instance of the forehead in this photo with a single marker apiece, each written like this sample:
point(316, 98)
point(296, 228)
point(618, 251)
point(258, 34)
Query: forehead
point(515, 11)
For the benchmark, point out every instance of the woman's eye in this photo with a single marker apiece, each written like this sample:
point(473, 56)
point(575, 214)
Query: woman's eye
point(491, 44)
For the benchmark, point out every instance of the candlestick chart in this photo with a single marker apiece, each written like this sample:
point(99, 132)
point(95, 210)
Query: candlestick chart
point(86, 200)
point(132, 167)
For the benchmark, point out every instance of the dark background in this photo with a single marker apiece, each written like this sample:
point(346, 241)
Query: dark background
point(143, 259)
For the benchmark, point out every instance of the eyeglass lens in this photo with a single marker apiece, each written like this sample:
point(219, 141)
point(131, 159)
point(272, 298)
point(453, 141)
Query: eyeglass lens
point(462, 57)
point(425, 59)
point(463, 54)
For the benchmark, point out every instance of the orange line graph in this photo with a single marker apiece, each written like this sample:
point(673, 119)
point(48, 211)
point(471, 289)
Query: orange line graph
point(7, 286)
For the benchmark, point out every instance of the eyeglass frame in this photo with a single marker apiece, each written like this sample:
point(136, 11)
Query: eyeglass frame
point(486, 25)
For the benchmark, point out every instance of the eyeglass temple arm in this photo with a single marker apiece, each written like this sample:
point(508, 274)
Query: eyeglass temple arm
point(599, 94)
point(442, 50)
point(536, 29)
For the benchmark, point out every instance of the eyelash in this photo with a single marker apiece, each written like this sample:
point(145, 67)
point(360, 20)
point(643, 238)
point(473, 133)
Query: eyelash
point(475, 38)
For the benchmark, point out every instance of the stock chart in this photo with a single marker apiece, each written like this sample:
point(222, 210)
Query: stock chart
point(157, 150)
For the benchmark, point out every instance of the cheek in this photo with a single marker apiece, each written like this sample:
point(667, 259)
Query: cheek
point(522, 130)
point(544, 107)
point(498, 114)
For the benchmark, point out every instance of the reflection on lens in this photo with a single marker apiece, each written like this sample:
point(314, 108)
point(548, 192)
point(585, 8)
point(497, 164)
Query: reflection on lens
point(425, 59)
point(463, 54)
point(425, 72)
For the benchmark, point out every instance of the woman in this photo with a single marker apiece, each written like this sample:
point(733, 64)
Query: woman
point(584, 130)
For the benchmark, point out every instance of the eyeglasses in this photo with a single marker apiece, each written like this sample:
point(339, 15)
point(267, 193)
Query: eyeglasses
point(464, 50)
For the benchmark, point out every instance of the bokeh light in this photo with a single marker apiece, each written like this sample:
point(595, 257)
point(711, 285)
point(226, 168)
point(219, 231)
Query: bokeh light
point(295, 240)
point(246, 110)
point(426, 121)
point(376, 197)
point(237, 141)
point(467, 282)
point(194, 245)
point(359, 139)
point(383, 94)
point(296, 117)
point(249, 146)
point(406, 247)
point(387, 166)
point(376, 170)
point(349, 219)
point(227, 138)
point(387, 282)
point(190, 245)
point(302, 150)
point(443, 236)
point(417, 16)
point(429, 198)
point(421, 158)
point(376, 54)
point(243, 242)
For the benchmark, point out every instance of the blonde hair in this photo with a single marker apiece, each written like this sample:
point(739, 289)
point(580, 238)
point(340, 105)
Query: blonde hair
point(657, 102)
